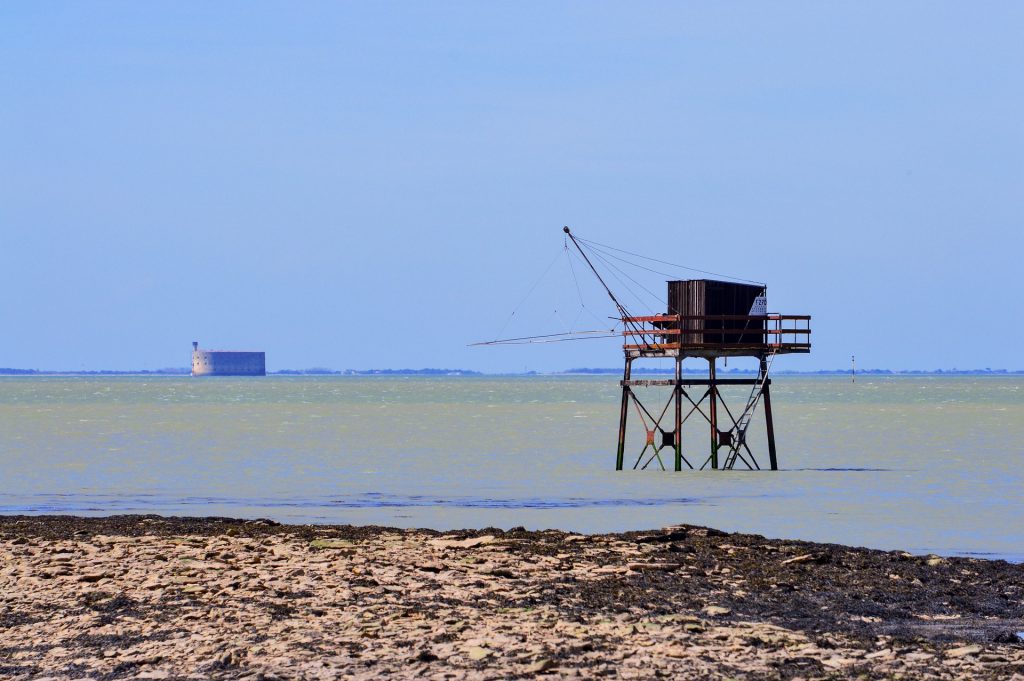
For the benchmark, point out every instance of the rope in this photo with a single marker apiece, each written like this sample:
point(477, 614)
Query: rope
point(529, 293)
point(573, 254)
point(538, 342)
point(653, 295)
point(602, 253)
point(671, 264)
point(588, 334)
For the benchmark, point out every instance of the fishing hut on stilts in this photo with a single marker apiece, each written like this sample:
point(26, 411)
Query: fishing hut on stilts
point(705, 319)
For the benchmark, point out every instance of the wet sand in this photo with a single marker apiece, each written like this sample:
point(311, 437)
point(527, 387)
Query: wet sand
point(216, 598)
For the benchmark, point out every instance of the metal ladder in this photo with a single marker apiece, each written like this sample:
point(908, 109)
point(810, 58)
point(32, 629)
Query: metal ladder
point(739, 430)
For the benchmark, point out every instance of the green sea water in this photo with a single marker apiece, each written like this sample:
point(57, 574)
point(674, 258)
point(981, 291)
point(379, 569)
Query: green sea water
point(926, 464)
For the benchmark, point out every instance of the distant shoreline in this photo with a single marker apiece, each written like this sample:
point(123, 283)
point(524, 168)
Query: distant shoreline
point(456, 373)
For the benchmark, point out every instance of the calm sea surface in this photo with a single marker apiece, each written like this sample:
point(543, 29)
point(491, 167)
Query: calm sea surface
point(923, 464)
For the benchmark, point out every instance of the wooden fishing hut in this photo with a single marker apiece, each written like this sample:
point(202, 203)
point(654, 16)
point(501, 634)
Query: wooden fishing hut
point(708, 319)
point(705, 319)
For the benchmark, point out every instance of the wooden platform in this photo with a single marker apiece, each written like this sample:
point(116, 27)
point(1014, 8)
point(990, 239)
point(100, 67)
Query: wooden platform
point(711, 336)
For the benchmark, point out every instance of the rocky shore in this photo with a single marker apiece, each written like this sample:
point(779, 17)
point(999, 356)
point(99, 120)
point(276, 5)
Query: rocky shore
point(215, 598)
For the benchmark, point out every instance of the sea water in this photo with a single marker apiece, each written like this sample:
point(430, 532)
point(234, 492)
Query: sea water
point(925, 464)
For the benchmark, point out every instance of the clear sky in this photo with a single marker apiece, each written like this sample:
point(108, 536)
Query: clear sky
point(377, 184)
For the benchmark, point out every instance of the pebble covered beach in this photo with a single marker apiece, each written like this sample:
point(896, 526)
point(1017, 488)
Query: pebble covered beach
point(150, 597)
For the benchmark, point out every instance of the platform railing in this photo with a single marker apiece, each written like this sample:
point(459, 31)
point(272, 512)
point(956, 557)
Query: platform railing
point(778, 332)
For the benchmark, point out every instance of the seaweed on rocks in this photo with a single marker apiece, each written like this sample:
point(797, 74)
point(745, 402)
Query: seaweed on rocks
point(226, 598)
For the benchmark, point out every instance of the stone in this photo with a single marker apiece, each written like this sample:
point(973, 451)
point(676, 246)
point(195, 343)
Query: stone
point(470, 543)
point(92, 577)
point(504, 573)
point(885, 653)
point(333, 544)
point(540, 666)
point(716, 610)
point(264, 605)
point(654, 567)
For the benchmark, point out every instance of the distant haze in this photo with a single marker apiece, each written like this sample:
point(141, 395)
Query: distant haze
point(355, 185)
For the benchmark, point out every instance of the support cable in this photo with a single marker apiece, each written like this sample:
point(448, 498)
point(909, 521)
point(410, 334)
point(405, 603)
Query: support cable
point(575, 255)
point(589, 334)
point(622, 310)
point(528, 294)
point(541, 342)
point(612, 265)
point(671, 264)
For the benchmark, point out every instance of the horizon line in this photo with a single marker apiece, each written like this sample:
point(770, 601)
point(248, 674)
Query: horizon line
point(323, 371)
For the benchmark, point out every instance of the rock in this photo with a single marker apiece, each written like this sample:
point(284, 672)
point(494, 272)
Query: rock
point(654, 567)
point(476, 653)
point(885, 653)
point(716, 610)
point(91, 577)
point(540, 666)
point(838, 662)
point(332, 544)
point(462, 544)
point(964, 651)
point(798, 559)
point(667, 535)
point(933, 561)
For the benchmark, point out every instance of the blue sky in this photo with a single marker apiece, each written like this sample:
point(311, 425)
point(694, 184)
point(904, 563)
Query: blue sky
point(357, 185)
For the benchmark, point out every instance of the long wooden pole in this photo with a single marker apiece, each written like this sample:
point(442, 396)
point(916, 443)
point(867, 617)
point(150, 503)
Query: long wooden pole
point(623, 414)
point(713, 412)
point(769, 425)
point(679, 413)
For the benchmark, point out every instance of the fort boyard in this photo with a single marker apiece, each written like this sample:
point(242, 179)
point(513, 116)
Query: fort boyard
point(227, 362)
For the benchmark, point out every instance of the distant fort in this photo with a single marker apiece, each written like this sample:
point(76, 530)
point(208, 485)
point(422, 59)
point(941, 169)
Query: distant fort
point(227, 363)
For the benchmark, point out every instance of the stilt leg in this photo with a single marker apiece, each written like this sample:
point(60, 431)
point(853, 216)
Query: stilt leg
point(768, 420)
point(679, 413)
point(713, 412)
point(622, 416)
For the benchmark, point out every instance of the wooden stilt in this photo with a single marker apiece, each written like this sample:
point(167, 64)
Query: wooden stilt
point(623, 414)
point(679, 413)
point(713, 412)
point(766, 394)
